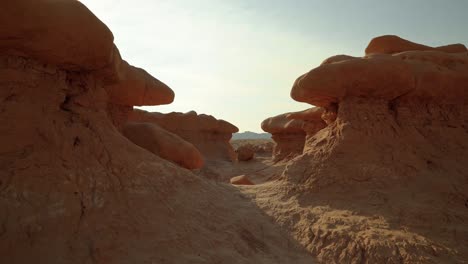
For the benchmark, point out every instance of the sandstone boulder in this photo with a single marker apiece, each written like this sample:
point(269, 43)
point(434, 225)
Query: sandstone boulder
point(208, 134)
point(288, 134)
point(312, 121)
point(245, 152)
point(164, 144)
point(241, 180)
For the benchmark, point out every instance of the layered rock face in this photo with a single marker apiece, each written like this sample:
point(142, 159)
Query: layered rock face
point(288, 135)
point(72, 188)
point(386, 180)
point(208, 134)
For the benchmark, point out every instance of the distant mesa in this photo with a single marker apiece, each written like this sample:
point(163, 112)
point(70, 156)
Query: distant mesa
point(250, 135)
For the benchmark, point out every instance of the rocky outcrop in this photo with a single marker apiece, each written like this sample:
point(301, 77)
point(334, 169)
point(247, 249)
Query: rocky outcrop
point(135, 87)
point(385, 181)
point(312, 120)
point(164, 144)
point(245, 152)
point(208, 134)
point(72, 188)
point(288, 135)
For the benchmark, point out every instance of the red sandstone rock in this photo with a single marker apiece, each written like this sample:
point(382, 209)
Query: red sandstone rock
point(241, 180)
point(288, 135)
point(73, 189)
point(54, 32)
point(312, 121)
point(129, 85)
point(417, 74)
point(164, 144)
point(385, 180)
point(209, 135)
point(390, 44)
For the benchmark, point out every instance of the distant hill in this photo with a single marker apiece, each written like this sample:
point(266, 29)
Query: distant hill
point(251, 135)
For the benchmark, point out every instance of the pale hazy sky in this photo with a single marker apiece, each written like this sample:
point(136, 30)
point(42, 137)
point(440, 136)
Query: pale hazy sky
point(237, 59)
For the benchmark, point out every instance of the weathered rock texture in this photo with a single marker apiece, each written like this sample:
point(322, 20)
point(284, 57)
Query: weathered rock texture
point(288, 135)
point(163, 143)
point(312, 121)
point(72, 188)
point(208, 134)
point(386, 180)
point(135, 87)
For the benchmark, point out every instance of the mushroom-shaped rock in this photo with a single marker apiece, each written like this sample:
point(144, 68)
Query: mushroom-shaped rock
point(245, 152)
point(417, 74)
point(136, 87)
point(399, 130)
point(288, 134)
point(63, 33)
point(129, 86)
point(311, 118)
point(241, 180)
point(164, 144)
point(210, 135)
point(390, 44)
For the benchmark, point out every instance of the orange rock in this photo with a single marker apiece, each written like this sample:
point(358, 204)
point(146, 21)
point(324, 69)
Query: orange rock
point(396, 132)
point(210, 135)
point(417, 74)
point(312, 120)
point(134, 86)
point(241, 180)
point(390, 44)
point(73, 189)
point(164, 144)
point(128, 86)
point(288, 134)
point(61, 32)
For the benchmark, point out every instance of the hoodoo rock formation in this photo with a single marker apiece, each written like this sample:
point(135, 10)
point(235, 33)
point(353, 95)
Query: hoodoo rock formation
point(135, 87)
point(288, 134)
point(73, 189)
point(312, 121)
point(208, 134)
point(164, 144)
point(385, 181)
